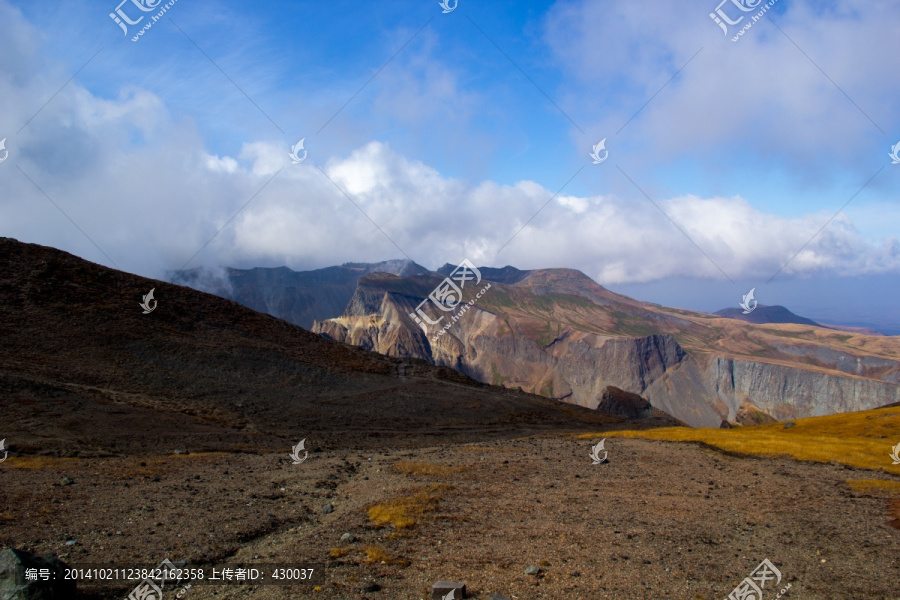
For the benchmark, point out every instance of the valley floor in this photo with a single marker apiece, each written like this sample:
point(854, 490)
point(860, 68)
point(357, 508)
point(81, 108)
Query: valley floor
point(659, 520)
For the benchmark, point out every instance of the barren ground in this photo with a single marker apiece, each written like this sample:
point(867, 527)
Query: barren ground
point(659, 520)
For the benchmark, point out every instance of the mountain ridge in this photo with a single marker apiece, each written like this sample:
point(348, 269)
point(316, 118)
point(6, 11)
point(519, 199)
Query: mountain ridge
point(91, 374)
point(299, 297)
point(558, 333)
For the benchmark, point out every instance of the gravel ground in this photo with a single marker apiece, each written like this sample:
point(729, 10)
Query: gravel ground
point(660, 520)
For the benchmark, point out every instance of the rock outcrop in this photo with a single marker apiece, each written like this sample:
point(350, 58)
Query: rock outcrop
point(624, 404)
point(52, 585)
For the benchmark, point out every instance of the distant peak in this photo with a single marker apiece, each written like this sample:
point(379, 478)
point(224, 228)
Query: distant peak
point(763, 314)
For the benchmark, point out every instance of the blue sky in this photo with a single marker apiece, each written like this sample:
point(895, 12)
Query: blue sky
point(745, 149)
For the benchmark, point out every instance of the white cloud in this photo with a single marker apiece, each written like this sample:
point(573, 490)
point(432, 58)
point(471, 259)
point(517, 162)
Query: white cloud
point(152, 202)
point(221, 165)
point(758, 98)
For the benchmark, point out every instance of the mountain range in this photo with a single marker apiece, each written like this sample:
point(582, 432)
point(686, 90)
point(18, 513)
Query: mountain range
point(85, 371)
point(558, 334)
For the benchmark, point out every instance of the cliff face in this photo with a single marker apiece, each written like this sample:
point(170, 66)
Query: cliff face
point(560, 335)
point(576, 368)
point(791, 393)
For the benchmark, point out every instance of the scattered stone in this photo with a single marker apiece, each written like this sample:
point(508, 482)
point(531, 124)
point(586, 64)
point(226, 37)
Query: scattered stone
point(71, 543)
point(532, 570)
point(179, 452)
point(440, 589)
point(13, 585)
point(66, 481)
point(371, 587)
point(789, 424)
point(617, 402)
point(348, 537)
point(327, 508)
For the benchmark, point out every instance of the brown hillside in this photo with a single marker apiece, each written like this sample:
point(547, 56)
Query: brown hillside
point(84, 372)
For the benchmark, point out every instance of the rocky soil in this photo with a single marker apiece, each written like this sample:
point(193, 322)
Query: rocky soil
point(659, 520)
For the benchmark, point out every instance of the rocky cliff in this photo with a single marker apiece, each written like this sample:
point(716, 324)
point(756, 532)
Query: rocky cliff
point(558, 334)
point(792, 393)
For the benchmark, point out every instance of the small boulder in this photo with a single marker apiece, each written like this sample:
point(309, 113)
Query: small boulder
point(618, 402)
point(789, 424)
point(442, 590)
point(532, 570)
point(327, 508)
point(348, 537)
point(14, 586)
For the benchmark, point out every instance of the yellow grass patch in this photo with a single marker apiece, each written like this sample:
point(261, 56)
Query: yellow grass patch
point(338, 552)
point(409, 467)
point(374, 554)
point(861, 439)
point(41, 462)
point(405, 512)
